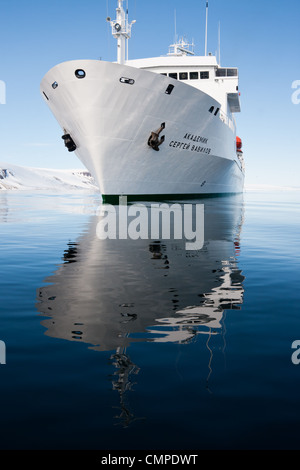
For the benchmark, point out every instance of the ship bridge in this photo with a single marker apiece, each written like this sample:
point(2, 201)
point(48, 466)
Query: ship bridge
point(201, 72)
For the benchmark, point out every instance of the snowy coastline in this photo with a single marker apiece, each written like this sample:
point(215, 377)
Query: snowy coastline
point(14, 177)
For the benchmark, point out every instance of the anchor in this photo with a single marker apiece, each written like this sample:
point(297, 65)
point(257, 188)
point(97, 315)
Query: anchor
point(69, 142)
point(154, 141)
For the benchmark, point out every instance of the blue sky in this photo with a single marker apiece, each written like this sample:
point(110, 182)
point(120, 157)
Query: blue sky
point(261, 38)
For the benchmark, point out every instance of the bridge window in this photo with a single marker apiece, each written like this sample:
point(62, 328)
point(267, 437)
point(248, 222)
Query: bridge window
point(194, 75)
point(173, 75)
point(226, 72)
point(231, 72)
point(221, 73)
point(204, 75)
point(183, 76)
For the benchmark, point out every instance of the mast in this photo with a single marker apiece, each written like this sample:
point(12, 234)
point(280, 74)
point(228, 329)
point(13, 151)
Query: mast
point(121, 30)
point(219, 43)
point(206, 29)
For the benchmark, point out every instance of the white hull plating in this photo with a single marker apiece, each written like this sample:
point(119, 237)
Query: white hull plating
point(111, 121)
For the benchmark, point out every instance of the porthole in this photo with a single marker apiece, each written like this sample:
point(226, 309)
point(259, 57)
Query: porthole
point(79, 73)
point(54, 85)
point(129, 81)
point(169, 89)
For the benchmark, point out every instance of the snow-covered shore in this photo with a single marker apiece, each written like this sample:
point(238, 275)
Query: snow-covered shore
point(14, 177)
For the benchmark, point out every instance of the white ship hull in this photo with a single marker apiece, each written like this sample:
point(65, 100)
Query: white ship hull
point(111, 121)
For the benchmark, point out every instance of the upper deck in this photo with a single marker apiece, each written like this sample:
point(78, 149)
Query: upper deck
point(202, 72)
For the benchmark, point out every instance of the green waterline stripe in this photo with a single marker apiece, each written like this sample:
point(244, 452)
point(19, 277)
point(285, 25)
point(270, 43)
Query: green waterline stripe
point(114, 198)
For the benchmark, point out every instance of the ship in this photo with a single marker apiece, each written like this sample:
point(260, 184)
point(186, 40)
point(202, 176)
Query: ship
point(155, 128)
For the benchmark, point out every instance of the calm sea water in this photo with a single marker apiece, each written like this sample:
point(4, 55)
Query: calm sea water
point(142, 344)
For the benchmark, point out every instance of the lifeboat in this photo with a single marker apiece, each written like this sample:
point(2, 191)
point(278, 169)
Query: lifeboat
point(239, 144)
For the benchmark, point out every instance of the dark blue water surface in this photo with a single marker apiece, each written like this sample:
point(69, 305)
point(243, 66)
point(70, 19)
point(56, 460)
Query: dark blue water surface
point(142, 344)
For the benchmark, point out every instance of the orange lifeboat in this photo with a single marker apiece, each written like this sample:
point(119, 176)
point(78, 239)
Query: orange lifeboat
point(239, 144)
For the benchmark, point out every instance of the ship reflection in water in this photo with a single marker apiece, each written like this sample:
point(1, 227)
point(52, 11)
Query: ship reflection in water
point(113, 293)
